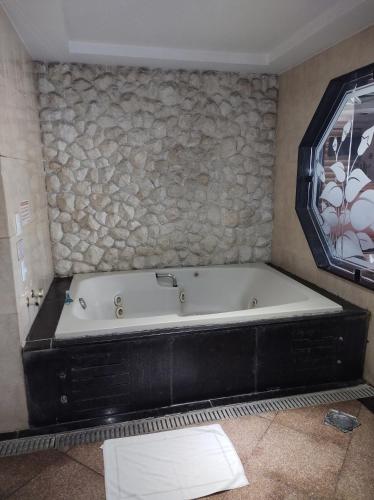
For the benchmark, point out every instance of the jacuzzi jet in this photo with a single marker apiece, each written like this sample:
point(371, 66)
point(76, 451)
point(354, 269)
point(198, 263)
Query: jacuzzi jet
point(119, 306)
point(120, 312)
point(253, 303)
point(182, 296)
point(82, 303)
point(118, 300)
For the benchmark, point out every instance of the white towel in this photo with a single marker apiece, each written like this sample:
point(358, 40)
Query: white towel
point(174, 465)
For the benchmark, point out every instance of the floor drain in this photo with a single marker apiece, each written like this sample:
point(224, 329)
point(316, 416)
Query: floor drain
point(342, 421)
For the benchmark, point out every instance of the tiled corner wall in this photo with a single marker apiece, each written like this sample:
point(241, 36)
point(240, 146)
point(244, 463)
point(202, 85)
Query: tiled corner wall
point(152, 168)
point(21, 180)
point(300, 91)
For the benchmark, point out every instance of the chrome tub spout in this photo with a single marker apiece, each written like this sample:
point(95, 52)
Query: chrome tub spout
point(168, 276)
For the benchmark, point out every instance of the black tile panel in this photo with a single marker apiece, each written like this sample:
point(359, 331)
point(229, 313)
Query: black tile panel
point(46, 320)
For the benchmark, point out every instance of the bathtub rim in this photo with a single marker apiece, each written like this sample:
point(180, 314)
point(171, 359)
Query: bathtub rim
point(312, 304)
point(42, 333)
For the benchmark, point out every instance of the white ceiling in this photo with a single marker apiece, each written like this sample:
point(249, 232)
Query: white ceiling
point(237, 35)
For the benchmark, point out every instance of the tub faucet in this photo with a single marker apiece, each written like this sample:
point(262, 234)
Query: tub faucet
point(68, 299)
point(169, 276)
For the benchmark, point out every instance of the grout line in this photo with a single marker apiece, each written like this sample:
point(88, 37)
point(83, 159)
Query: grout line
point(9, 495)
point(258, 442)
point(84, 465)
point(249, 459)
point(341, 467)
point(267, 473)
point(308, 434)
point(345, 455)
point(31, 478)
point(360, 409)
point(363, 454)
point(262, 437)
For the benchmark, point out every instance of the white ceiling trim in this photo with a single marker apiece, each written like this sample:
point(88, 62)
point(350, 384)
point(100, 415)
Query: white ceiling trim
point(152, 56)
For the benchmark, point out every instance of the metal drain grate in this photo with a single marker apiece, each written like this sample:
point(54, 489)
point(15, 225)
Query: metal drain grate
point(26, 445)
point(169, 422)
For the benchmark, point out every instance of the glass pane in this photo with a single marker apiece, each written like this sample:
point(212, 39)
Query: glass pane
point(343, 187)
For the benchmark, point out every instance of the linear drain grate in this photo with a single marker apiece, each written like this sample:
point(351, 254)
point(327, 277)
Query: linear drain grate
point(26, 445)
point(169, 422)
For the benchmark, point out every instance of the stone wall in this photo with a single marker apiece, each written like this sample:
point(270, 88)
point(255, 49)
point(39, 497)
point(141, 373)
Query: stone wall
point(150, 168)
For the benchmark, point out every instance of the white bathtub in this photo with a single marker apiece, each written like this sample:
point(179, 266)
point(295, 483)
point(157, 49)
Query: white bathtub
point(213, 295)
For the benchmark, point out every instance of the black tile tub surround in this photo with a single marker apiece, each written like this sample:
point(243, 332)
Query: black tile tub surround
point(109, 420)
point(44, 326)
point(369, 403)
point(88, 379)
point(169, 410)
point(100, 380)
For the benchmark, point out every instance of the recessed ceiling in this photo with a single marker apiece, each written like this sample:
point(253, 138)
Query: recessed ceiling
point(236, 35)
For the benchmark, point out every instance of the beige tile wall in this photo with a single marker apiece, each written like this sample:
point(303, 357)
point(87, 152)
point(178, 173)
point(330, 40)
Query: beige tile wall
point(24, 180)
point(301, 89)
point(21, 178)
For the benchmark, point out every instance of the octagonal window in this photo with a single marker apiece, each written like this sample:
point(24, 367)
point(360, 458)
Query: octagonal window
point(335, 189)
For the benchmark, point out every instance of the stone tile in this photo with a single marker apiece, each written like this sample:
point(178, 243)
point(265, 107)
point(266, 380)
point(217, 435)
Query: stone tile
point(8, 300)
point(90, 455)
point(19, 137)
point(3, 213)
point(13, 408)
point(262, 488)
point(17, 471)
point(363, 437)
point(65, 480)
point(23, 180)
point(303, 462)
point(356, 480)
point(269, 415)
point(310, 421)
point(39, 267)
point(245, 433)
point(83, 198)
point(13, 56)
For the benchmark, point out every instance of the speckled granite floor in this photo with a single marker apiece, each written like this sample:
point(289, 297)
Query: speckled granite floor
point(286, 455)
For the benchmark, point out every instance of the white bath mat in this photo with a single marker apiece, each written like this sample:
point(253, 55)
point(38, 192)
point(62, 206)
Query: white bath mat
point(174, 465)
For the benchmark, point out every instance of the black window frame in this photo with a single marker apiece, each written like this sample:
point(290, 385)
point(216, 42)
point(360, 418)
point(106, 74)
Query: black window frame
point(326, 110)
